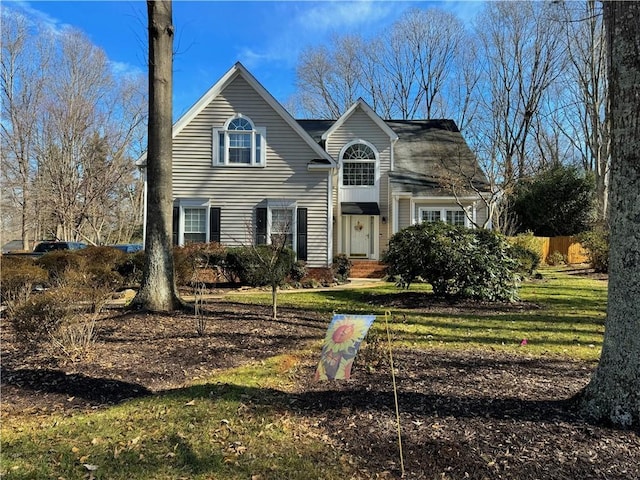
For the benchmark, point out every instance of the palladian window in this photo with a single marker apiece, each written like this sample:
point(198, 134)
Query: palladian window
point(239, 143)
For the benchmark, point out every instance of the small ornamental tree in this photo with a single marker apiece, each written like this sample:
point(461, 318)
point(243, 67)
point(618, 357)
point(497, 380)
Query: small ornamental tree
point(456, 261)
point(262, 265)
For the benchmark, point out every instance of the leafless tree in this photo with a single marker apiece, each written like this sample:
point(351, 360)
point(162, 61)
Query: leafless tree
point(378, 87)
point(613, 395)
point(328, 78)
point(158, 291)
point(585, 121)
point(23, 62)
point(401, 72)
point(67, 142)
point(523, 57)
point(434, 38)
point(462, 88)
point(464, 178)
point(84, 140)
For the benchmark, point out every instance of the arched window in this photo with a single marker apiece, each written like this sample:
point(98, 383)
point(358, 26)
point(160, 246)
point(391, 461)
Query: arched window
point(358, 165)
point(239, 142)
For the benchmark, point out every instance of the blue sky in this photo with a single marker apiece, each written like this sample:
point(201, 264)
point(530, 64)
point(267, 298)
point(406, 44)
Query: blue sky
point(266, 36)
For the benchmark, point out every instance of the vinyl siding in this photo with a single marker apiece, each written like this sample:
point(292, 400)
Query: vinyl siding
point(360, 126)
point(404, 213)
point(239, 190)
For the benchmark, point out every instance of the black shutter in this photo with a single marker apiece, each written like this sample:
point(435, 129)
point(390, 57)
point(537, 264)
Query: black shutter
point(261, 226)
point(176, 225)
point(301, 234)
point(214, 224)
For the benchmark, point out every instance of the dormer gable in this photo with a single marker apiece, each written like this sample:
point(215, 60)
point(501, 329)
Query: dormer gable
point(361, 105)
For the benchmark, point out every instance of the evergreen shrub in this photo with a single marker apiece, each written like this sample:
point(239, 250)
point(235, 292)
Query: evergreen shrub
point(596, 242)
point(456, 261)
point(341, 267)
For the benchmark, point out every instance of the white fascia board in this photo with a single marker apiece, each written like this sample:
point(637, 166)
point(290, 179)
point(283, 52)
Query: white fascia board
point(286, 116)
point(219, 86)
point(372, 115)
point(440, 199)
point(197, 107)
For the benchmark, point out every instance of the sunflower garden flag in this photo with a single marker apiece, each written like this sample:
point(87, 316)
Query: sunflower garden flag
point(344, 335)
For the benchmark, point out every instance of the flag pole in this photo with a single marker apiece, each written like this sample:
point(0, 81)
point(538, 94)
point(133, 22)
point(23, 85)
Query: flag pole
point(387, 315)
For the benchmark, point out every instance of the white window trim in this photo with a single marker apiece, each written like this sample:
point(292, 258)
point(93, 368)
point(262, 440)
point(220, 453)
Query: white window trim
point(202, 204)
point(376, 162)
point(283, 205)
point(215, 145)
point(443, 213)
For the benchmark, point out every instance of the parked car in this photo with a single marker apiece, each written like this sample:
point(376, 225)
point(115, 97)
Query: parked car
point(128, 247)
point(45, 247)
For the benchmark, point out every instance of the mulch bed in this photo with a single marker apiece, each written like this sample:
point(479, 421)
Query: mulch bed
point(465, 414)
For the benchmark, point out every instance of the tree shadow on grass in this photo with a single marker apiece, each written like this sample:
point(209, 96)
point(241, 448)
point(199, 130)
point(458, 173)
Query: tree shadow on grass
point(95, 391)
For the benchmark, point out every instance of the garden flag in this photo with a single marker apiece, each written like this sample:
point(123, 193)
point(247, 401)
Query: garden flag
point(344, 335)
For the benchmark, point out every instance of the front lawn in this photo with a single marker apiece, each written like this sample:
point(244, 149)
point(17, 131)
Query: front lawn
point(561, 315)
point(154, 400)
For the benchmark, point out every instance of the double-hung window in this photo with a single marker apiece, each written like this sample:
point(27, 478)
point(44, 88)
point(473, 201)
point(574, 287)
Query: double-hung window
point(450, 216)
point(282, 223)
point(195, 221)
point(358, 166)
point(456, 217)
point(239, 143)
point(282, 226)
point(195, 225)
point(429, 216)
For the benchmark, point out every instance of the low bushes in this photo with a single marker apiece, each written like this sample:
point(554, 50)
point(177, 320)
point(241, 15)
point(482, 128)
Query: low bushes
point(341, 267)
point(527, 249)
point(260, 265)
point(20, 276)
point(456, 261)
point(596, 242)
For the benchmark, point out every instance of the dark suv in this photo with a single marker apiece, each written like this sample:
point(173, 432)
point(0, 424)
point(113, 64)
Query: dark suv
point(44, 247)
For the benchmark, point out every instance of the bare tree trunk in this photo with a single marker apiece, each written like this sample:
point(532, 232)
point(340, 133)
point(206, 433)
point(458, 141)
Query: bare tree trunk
point(613, 395)
point(158, 291)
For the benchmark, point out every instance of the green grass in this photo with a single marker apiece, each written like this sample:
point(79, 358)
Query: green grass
point(237, 425)
point(565, 318)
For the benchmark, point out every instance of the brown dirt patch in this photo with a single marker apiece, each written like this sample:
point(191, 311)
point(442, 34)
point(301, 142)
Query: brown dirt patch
point(466, 414)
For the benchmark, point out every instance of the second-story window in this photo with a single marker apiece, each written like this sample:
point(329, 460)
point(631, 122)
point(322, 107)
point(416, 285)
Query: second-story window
point(358, 166)
point(239, 143)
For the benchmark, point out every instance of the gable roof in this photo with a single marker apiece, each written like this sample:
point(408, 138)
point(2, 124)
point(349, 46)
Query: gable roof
point(360, 103)
point(423, 153)
point(239, 70)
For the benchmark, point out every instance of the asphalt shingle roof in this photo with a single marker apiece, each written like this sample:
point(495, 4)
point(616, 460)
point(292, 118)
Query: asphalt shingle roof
point(426, 155)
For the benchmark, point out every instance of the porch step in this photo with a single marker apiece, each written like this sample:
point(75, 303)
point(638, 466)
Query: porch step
point(367, 269)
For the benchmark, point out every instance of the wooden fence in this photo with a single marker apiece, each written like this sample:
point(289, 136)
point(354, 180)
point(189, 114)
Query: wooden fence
point(569, 247)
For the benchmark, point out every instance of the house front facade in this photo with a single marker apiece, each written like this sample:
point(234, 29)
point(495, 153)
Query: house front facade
point(245, 172)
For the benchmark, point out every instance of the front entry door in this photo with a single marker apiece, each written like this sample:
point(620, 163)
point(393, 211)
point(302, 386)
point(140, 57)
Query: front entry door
point(359, 237)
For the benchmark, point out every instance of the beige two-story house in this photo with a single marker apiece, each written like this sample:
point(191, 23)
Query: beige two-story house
point(244, 171)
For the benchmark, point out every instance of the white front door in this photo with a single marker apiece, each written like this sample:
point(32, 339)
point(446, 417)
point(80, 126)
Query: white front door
point(359, 235)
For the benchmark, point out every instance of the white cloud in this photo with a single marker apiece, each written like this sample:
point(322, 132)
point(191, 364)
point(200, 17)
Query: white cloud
point(35, 17)
point(123, 69)
point(333, 16)
point(296, 25)
point(38, 19)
